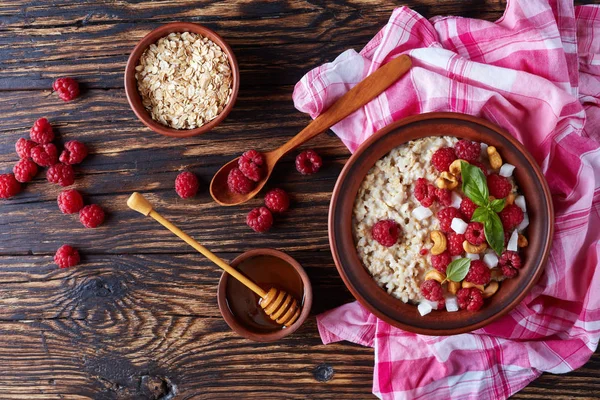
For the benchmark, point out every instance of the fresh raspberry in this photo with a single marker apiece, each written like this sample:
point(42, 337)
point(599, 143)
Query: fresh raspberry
point(441, 304)
point(41, 132)
point(44, 155)
point(467, 150)
point(508, 272)
point(442, 158)
point(445, 216)
point(186, 185)
point(498, 186)
point(74, 152)
point(481, 167)
point(469, 298)
point(479, 273)
point(423, 251)
point(25, 170)
point(455, 243)
point(511, 216)
point(91, 216)
point(474, 233)
point(61, 173)
point(9, 186)
point(308, 162)
point(277, 200)
point(467, 207)
point(70, 201)
point(67, 88)
point(510, 259)
point(66, 256)
point(251, 165)
point(260, 219)
point(24, 146)
point(386, 232)
point(444, 196)
point(238, 182)
point(441, 261)
point(432, 290)
point(424, 192)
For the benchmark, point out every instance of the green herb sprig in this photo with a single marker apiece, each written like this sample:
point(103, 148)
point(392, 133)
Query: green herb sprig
point(458, 269)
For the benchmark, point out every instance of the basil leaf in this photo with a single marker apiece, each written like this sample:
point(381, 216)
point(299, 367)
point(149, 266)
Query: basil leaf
point(474, 184)
point(494, 232)
point(457, 269)
point(481, 214)
point(498, 205)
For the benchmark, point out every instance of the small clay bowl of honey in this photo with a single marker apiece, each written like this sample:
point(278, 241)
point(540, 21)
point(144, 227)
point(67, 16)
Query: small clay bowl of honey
point(240, 306)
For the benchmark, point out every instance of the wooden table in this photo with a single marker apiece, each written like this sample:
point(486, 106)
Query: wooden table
point(139, 318)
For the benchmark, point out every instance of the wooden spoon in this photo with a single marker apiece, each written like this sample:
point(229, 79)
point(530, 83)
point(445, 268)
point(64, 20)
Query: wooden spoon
point(358, 96)
point(280, 306)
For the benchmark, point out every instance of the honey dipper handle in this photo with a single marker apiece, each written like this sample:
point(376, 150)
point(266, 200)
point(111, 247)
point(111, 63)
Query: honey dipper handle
point(138, 203)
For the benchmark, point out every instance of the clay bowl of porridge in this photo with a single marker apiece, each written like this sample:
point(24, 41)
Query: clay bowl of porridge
point(440, 223)
point(182, 79)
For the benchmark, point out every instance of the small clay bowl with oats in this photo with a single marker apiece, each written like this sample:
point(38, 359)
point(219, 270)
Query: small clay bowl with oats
point(137, 102)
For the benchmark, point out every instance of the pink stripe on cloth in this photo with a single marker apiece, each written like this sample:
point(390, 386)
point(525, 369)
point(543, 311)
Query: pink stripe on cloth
point(536, 73)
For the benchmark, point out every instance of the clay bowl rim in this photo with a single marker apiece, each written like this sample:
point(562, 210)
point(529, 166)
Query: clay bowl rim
point(133, 96)
point(363, 288)
point(241, 329)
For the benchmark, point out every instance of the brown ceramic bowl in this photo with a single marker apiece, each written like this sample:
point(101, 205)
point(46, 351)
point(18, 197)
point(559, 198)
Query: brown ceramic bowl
point(133, 96)
point(405, 316)
point(267, 268)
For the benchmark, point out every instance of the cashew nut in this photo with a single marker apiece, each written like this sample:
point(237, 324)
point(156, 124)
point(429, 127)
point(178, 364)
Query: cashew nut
point(455, 168)
point(497, 275)
point(510, 199)
point(522, 241)
point(446, 181)
point(490, 289)
point(435, 275)
point(439, 242)
point(471, 248)
point(494, 156)
point(466, 284)
point(453, 287)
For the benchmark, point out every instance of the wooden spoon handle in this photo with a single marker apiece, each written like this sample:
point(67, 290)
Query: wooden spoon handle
point(139, 203)
point(365, 91)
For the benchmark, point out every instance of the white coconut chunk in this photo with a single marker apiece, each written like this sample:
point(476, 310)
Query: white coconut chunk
point(506, 170)
point(421, 213)
point(520, 202)
point(512, 242)
point(456, 200)
point(424, 308)
point(458, 225)
point(523, 224)
point(454, 258)
point(451, 304)
point(433, 304)
point(490, 259)
point(484, 147)
point(473, 256)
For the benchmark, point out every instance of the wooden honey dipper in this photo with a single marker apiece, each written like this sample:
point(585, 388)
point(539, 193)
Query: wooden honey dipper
point(280, 306)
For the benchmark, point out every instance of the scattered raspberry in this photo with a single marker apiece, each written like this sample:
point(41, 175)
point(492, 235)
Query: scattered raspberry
point(24, 146)
point(238, 183)
point(479, 273)
point(511, 216)
point(441, 304)
point(91, 216)
point(444, 196)
point(481, 167)
point(510, 259)
point(9, 186)
point(386, 232)
point(308, 162)
point(41, 132)
point(186, 185)
point(498, 186)
point(474, 233)
point(25, 170)
point(44, 155)
point(277, 200)
point(424, 192)
point(251, 165)
point(423, 251)
point(469, 298)
point(61, 173)
point(66, 256)
point(508, 271)
point(260, 219)
point(67, 88)
point(467, 207)
point(455, 243)
point(70, 201)
point(432, 290)
point(442, 158)
point(445, 216)
point(441, 261)
point(467, 150)
point(74, 152)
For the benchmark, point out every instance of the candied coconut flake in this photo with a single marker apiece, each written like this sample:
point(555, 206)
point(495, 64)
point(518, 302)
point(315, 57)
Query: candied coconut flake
point(506, 170)
point(490, 259)
point(525, 222)
point(520, 202)
point(473, 256)
point(458, 225)
point(421, 213)
point(456, 200)
point(512, 242)
point(424, 308)
point(451, 303)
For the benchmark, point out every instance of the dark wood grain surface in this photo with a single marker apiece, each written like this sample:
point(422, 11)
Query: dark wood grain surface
point(139, 318)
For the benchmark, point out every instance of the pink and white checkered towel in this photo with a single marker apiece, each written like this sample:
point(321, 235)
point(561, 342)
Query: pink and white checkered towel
point(536, 73)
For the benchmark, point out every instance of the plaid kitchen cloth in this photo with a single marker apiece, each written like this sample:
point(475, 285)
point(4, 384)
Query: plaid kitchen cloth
point(536, 73)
